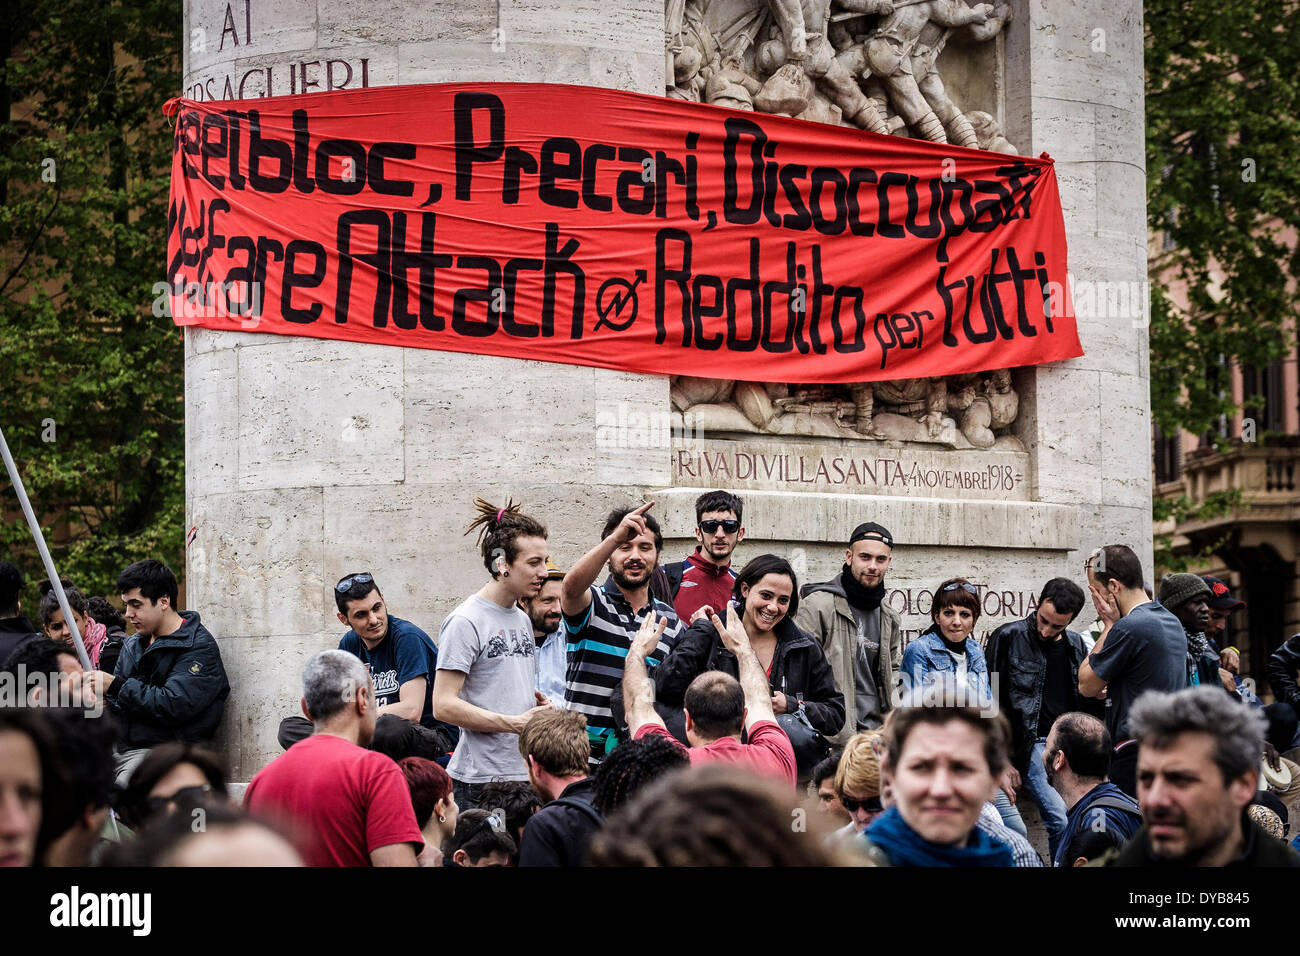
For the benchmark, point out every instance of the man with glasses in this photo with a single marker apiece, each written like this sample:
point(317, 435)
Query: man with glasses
point(1142, 647)
point(704, 580)
point(860, 634)
point(401, 660)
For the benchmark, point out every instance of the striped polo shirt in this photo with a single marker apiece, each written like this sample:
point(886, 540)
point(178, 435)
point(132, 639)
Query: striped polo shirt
point(598, 641)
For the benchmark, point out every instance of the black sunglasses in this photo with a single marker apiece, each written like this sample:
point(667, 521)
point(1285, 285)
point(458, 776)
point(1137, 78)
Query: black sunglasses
point(960, 584)
point(192, 794)
point(871, 805)
point(731, 526)
point(344, 586)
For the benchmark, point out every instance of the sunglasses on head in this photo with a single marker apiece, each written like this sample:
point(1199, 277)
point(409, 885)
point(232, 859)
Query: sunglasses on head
point(871, 804)
point(960, 584)
point(490, 822)
point(344, 586)
point(731, 526)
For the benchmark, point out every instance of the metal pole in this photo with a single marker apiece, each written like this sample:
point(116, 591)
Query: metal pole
point(45, 552)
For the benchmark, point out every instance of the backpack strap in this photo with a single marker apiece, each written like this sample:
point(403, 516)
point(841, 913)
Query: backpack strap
point(675, 572)
point(582, 806)
point(1109, 801)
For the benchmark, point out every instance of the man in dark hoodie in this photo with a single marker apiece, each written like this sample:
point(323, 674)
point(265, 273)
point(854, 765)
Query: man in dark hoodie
point(169, 683)
point(860, 635)
point(15, 630)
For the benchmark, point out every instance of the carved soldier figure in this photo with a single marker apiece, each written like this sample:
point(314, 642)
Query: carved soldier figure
point(934, 37)
point(982, 404)
point(890, 56)
point(786, 90)
point(921, 399)
point(989, 133)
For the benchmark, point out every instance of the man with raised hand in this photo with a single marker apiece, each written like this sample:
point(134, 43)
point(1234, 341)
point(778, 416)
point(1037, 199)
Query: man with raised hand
point(1141, 648)
point(601, 621)
point(717, 706)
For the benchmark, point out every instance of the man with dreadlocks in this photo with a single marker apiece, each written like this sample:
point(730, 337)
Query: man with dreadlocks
point(487, 661)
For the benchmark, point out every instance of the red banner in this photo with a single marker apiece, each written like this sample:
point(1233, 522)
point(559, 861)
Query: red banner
point(597, 227)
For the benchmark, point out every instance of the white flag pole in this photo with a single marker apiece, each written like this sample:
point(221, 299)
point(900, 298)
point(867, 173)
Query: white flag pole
point(35, 527)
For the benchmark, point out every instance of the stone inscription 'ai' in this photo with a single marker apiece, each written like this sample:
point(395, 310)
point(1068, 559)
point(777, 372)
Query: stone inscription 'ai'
point(257, 82)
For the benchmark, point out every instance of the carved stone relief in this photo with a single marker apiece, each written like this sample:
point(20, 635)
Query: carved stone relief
point(873, 65)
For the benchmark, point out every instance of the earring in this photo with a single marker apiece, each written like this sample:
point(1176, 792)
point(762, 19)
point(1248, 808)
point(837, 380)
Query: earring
point(505, 574)
point(441, 818)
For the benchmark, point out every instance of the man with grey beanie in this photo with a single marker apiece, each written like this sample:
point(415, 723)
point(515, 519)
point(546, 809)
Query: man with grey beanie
point(1187, 597)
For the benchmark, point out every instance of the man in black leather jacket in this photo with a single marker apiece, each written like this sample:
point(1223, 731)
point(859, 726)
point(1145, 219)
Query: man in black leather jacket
point(1034, 670)
point(1283, 670)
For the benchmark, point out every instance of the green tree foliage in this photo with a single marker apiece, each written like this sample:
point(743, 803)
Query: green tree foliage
point(1183, 509)
point(84, 168)
point(1223, 184)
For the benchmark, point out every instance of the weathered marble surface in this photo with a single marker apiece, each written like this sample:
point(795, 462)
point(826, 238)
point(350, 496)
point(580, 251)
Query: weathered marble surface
point(306, 459)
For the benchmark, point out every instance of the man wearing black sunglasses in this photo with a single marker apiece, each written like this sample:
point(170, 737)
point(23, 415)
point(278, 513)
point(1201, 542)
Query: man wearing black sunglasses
point(703, 582)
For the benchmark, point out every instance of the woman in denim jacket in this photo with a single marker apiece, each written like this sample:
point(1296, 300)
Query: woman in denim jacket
point(944, 661)
point(944, 652)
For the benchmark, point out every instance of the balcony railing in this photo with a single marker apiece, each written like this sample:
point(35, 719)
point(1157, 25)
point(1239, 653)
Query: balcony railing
point(1268, 476)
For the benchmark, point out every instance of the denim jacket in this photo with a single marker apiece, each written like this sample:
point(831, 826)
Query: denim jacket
point(926, 659)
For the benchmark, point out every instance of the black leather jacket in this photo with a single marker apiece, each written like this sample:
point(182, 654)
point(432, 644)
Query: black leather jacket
point(798, 668)
point(1282, 668)
point(1018, 668)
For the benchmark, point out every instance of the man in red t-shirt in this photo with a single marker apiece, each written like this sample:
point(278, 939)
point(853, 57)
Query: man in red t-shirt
point(717, 705)
point(343, 804)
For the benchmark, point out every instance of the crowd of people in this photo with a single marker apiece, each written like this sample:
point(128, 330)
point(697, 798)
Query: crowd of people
point(683, 713)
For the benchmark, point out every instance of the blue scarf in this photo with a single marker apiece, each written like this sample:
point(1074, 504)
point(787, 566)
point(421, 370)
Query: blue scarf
point(905, 847)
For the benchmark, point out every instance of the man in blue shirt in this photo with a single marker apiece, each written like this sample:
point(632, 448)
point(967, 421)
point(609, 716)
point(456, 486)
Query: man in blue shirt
point(1077, 760)
point(401, 660)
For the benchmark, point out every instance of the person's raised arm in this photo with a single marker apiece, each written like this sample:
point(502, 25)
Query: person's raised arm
point(1090, 685)
point(758, 695)
point(638, 691)
point(449, 707)
point(575, 594)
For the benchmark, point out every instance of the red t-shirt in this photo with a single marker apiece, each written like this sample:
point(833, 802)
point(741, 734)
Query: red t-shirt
point(703, 583)
point(339, 801)
point(768, 752)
